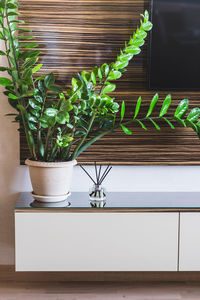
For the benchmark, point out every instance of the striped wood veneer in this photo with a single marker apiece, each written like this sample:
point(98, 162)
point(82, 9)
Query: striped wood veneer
point(77, 35)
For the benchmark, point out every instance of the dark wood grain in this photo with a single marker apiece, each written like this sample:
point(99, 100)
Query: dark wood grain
point(77, 35)
point(9, 276)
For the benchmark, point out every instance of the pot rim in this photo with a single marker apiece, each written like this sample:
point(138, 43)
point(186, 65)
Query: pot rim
point(43, 164)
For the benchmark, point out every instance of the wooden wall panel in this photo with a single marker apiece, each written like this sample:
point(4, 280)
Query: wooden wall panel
point(77, 35)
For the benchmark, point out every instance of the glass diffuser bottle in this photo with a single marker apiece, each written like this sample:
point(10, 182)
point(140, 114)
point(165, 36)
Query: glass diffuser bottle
point(97, 192)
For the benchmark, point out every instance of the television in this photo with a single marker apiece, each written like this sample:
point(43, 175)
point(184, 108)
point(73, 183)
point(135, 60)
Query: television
point(174, 48)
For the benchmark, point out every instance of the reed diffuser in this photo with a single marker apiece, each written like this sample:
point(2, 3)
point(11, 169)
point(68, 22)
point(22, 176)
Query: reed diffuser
point(97, 192)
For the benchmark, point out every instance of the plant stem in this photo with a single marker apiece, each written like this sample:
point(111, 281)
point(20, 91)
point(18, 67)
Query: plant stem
point(85, 136)
point(29, 137)
point(66, 153)
point(47, 144)
point(12, 44)
point(95, 138)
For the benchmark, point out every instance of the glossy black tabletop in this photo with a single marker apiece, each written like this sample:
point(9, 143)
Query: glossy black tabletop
point(119, 201)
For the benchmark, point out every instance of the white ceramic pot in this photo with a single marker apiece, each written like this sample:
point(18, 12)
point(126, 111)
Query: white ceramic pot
point(50, 180)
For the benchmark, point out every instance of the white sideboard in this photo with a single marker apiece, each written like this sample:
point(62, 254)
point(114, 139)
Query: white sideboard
point(113, 239)
point(190, 241)
point(96, 241)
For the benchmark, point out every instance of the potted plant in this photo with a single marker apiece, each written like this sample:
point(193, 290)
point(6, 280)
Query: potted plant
point(59, 125)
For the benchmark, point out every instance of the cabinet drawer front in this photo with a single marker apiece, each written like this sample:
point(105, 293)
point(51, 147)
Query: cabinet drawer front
point(96, 241)
point(189, 242)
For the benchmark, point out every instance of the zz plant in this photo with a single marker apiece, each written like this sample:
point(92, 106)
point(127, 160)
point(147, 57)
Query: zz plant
point(58, 124)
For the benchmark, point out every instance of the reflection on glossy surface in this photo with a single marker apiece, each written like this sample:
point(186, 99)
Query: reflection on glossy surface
point(61, 204)
point(98, 204)
point(50, 199)
point(123, 200)
point(175, 44)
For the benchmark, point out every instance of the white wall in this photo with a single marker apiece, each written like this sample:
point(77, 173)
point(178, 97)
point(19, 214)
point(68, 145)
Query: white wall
point(15, 179)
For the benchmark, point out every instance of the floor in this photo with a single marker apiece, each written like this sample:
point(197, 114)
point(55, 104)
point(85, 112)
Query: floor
point(99, 291)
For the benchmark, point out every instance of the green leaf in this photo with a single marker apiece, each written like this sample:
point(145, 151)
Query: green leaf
point(125, 57)
point(29, 54)
point(41, 86)
point(2, 3)
point(142, 125)
point(44, 125)
point(13, 13)
point(2, 53)
point(2, 36)
point(83, 104)
point(154, 123)
point(115, 107)
point(198, 126)
point(35, 113)
point(31, 118)
point(122, 110)
point(28, 63)
point(85, 75)
point(62, 117)
point(152, 105)
point(38, 96)
point(27, 74)
point(76, 110)
point(147, 26)
point(11, 59)
point(12, 5)
point(93, 78)
point(49, 80)
point(100, 74)
point(80, 133)
point(17, 21)
point(14, 75)
point(180, 121)
point(55, 89)
point(114, 75)
point(32, 126)
point(146, 15)
point(169, 123)
point(192, 125)
point(66, 105)
point(136, 42)
point(120, 64)
point(39, 78)
point(21, 107)
point(70, 126)
point(51, 112)
point(125, 129)
point(105, 69)
point(12, 96)
point(181, 108)
point(193, 115)
point(140, 34)
point(37, 68)
point(74, 83)
point(5, 81)
point(25, 37)
point(165, 106)
point(24, 29)
point(34, 104)
point(51, 121)
point(109, 88)
point(133, 50)
point(2, 69)
point(11, 115)
point(28, 45)
point(7, 33)
point(137, 108)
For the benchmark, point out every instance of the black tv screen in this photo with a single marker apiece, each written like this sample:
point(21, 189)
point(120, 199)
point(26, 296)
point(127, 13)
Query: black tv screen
point(174, 50)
